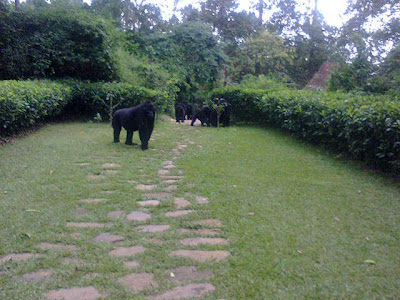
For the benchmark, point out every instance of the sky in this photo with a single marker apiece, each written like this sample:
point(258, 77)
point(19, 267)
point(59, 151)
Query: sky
point(332, 10)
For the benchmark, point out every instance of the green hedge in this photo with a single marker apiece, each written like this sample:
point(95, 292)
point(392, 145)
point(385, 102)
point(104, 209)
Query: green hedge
point(365, 127)
point(92, 98)
point(24, 103)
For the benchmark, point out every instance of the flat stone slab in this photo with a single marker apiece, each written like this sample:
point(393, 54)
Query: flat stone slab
point(181, 202)
point(167, 162)
point(169, 167)
point(203, 231)
point(178, 213)
point(194, 290)
point(96, 177)
point(109, 238)
point(133, 264)
point(85, 293)
point(109, 192)
point(158, 195)
point(115, 214)
point(209, 223)
point(201, 200)
point(173, 177)
point(111, 166)
point(18, 257)
point(83, 164)
point(138, 216)
point(86, 225)
point(39, 275)
point(171, 188)
point(93, 200)
point(204, 241)
point(163, 172)
point(170, 181)
point(154, 228)
point(146, 187)
point(138, 281)
point(127, 251)
point(148, 203)
point(202, 256)
point(50, 246)
point(183, 274)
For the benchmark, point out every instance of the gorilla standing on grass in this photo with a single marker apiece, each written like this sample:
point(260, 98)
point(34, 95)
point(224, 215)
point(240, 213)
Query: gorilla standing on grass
point(180, 113)
point(140, 118)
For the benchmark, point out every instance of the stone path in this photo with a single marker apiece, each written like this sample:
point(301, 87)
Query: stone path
point(150, 220)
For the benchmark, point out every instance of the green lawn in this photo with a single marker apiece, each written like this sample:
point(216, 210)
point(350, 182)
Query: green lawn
point(301, 224)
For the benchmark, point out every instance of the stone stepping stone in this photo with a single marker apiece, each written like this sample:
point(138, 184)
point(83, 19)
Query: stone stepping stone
point(171, 188)
point(181, 202)
point(149, 203)
point(18, 257)
point(83, 164)
point(204, 241)
point(86, 225)
point(170, 181)
point(85, 293)
point(167, 162)
point(146, 187)
point(93, 200)
point(194, 290)
point(39, 275)
point(138, 216)
point(158, 195)
point(96, 177)
point(115, 214)
point(183, 274)
point(111, 166)
point(138, 281)
point(169, 167)
point(172, 177)
point(154, 228)
point(202, 256)
point(163, 172)
point(209, 223)
point(127, 251)
point(50, 246)
point(178, 213)
point(133, 264)
point(203, 231)
point(109, 238)
point(109, 192)
point(201, 200)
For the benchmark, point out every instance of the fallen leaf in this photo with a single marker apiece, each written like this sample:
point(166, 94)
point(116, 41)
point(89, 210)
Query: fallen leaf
point(367, 238)
point(251, 214)
point(172, 275)
point(370, 262)
point(51, 172)
point(31, 210)
point(299, 251)
point(337, 219)
point(26, 234)
point(359, 191)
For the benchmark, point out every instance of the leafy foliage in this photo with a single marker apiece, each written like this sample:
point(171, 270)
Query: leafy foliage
point(365, 127)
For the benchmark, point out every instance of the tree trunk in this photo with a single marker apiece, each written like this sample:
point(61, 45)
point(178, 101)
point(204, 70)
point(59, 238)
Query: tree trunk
point(16, 4)
point(260, 11)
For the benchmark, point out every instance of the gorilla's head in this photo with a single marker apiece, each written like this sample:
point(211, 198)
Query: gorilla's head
point(149, 110)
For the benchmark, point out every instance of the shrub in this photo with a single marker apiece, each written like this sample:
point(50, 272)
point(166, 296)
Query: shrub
point(365, 127)
point(24, 103)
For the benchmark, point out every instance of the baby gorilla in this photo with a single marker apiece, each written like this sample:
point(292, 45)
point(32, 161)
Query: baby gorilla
point(180, 113)
point(140, 118)
point(204, 115)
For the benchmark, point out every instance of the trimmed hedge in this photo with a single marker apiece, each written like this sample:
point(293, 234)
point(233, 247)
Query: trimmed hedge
point(24, 103)
point(365, 127)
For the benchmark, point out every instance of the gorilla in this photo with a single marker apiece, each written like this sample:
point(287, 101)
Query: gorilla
point(204, 115)
point(180, 113)
point(189, 111)
point(141, 117)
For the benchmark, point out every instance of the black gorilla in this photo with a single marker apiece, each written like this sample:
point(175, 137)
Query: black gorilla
point(189, 111)
point(180, 113)
point(204, 115)
point(140, 118)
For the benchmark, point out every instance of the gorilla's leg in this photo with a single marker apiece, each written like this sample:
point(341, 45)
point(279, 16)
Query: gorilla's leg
point(144, 138)
point(194, 120)
point(117, 131)
point(129, 137)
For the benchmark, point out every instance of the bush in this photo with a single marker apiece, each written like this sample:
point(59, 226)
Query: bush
point(24, 103)
point(365, 127)
point(55, 43)
point(105, 98)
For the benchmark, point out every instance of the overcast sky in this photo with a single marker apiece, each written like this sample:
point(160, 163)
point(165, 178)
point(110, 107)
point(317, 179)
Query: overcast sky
point(332, 10)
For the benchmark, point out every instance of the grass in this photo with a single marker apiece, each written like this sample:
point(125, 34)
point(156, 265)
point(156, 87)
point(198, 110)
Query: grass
point(301, 223)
